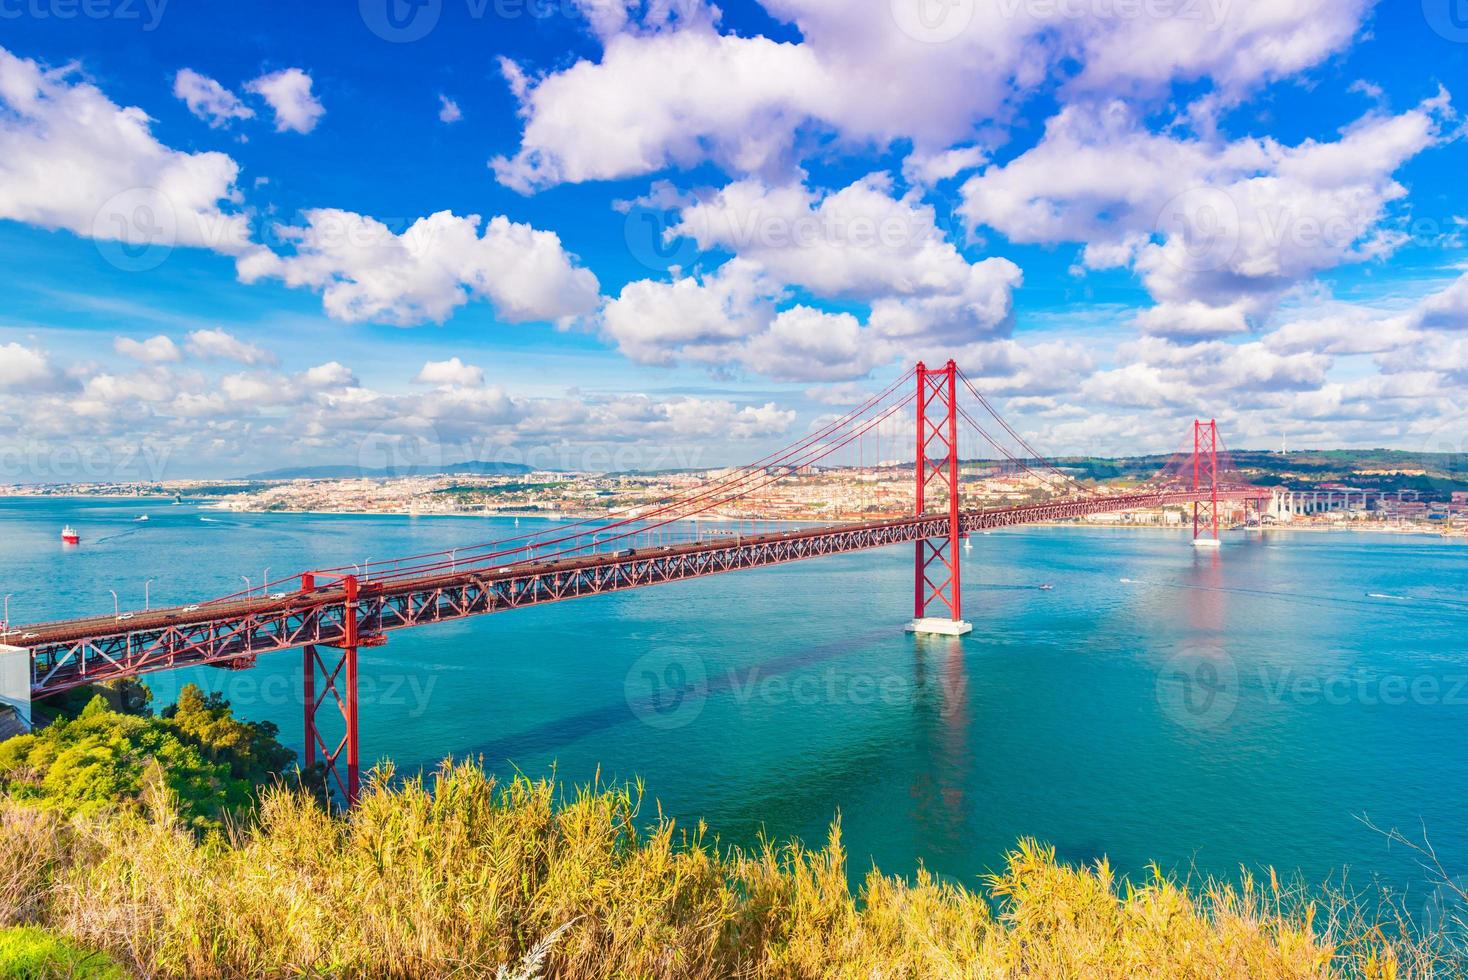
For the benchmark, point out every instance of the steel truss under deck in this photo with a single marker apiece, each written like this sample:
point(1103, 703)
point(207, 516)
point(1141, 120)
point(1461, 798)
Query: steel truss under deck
point(233, 636)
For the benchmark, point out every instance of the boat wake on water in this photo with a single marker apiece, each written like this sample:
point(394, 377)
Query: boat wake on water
point(119, 534)
point(1311, 598)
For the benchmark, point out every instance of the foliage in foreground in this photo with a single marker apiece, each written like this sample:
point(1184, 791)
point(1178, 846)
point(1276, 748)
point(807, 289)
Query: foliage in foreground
point(460, 875)
point(29, 953)
point(103, 759)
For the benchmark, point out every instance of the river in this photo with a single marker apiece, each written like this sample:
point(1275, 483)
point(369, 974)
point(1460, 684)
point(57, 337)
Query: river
point(1203, 711)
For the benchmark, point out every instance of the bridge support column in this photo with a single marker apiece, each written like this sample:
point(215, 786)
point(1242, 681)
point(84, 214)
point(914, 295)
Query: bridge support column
point(338, 674)
point(15, 681)
point(1205, 477)
point(937, 592)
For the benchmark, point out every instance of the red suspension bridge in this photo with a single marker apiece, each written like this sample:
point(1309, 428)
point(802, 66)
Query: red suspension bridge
point(330, 614)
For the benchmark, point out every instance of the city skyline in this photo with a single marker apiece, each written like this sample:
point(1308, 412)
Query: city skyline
point(288, 236)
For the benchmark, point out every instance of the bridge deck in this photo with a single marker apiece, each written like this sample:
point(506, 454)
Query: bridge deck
point(70, 653)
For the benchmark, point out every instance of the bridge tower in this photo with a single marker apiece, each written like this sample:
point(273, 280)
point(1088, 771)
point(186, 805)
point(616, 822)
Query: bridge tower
point(342, 762)
point(1205, 478)
point(936, 584)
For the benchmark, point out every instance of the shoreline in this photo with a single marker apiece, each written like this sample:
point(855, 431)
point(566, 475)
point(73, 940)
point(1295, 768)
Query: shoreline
point(85, 496)
point(1363, 527)
point(1369, 528)
point(509, 515)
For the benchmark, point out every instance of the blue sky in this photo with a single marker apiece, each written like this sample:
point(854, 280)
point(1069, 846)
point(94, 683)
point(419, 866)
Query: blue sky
point(1116, 213)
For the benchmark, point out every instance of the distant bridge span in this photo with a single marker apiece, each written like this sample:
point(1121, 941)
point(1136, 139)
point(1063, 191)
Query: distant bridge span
point(339, 612)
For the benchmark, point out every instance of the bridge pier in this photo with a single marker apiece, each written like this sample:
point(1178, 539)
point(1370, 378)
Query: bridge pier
point(338, 675)
point(15, 681)
point(931, 626)
point(342, 761)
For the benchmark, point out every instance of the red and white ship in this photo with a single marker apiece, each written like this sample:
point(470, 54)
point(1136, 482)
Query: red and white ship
point(69, 535)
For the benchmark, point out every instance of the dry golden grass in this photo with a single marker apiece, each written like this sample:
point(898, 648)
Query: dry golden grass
point(464, 876)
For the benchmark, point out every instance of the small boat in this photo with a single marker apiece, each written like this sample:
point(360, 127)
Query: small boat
point(1046, 587)
point(69, 535)
point(140, 517)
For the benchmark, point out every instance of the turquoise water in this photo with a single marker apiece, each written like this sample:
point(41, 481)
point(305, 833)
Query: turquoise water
point(1158, 704)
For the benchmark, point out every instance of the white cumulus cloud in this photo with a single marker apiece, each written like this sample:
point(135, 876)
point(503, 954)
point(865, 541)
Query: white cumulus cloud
point(288, 92)
point(222, 345)
point(860, 243)
point(452, 372)
point(154, 350)
point(1218, 230)
point(332, 374)
point(24, 368)
point(209, 100)
point(441, 262)
point(668, 93)
point(72, 159)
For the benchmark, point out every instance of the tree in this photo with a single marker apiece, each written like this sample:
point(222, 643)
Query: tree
point(98, 760)
point(126, 694)
point(252, 749)
point(208, 760)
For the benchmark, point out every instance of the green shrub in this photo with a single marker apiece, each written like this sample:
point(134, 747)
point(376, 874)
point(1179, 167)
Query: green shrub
point(251, 749)
point(28, 953)
point(103, 759)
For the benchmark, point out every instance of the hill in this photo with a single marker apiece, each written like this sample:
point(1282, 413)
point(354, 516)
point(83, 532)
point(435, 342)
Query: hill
point(348, 472)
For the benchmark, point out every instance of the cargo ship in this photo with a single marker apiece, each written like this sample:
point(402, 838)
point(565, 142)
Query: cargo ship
point(69, 535)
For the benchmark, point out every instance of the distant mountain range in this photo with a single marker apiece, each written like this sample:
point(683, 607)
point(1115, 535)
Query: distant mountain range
point(472, 468)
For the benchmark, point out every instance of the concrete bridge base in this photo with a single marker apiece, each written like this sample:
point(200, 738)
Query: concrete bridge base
point(15, 681)
point(939, 627)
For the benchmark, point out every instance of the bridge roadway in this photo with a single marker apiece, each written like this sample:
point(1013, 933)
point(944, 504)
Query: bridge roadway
point(232, 633)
